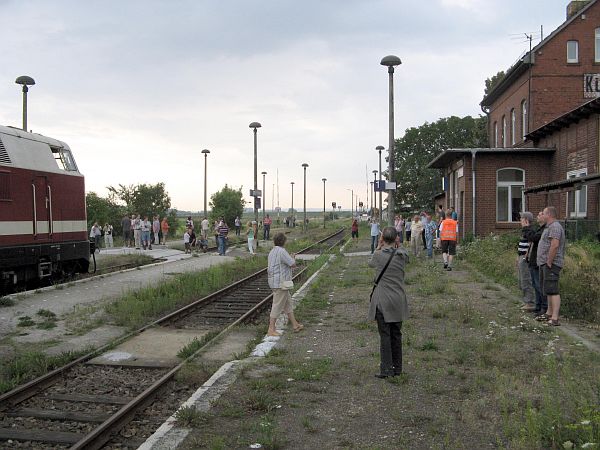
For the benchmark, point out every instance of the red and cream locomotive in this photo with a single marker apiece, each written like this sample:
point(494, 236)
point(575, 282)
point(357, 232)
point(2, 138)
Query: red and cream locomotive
point(43, 228)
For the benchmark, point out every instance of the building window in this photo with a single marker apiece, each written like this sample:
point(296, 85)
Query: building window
point(573, 50)
point(504, 131)
point(597, 57)
point(495, 134)
point(524, 127)
point(509, 194)
point(513, 127)
point(577, 200)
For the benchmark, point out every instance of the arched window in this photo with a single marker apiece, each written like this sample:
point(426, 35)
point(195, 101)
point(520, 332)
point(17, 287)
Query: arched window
point(524, 127)
point(495, 134)
point(504, 140)
point(513, 127)
point(509, 194)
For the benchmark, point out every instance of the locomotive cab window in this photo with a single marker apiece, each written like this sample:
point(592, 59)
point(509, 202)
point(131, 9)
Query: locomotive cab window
point(64, 159)
point(5, 185)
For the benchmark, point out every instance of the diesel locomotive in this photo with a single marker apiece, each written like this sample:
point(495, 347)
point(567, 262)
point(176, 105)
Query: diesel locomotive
point(43, 227)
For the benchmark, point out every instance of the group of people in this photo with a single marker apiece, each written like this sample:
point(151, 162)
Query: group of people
point(421, 232)
point(540, 258)
point(142, 233)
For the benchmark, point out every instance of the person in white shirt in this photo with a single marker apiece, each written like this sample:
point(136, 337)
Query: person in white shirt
point(108, 235)
point(186, 240)
point(204, 228)
point(375, 231)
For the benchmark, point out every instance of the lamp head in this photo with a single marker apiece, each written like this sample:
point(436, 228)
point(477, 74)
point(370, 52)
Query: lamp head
point(380, 148)
point(255, 125)
point(205, 151)
point(292, 183)
point(375, 172)
point(263, 173)
point(25, 80)
point(304, 165)
point(324, 180)
point(390, 61)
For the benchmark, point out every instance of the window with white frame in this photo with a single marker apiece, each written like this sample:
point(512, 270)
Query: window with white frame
point(509, 194)
point(597, 41)
point(504, 131)
point(573, 51)
point(524, 127)
point(495, 134)
point(577, 200)
point(513, 127)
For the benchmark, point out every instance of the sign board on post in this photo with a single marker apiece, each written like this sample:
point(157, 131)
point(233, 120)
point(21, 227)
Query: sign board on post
point(256, 193)
point(333, 205)
point(379, 185)
point(390, 186)
point(257, 202)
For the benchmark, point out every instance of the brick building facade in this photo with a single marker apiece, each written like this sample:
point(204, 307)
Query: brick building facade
point(547, 91)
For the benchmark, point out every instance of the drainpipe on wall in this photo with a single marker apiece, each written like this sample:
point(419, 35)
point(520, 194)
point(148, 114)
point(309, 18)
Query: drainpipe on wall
point(473, 153)
point(486, 111)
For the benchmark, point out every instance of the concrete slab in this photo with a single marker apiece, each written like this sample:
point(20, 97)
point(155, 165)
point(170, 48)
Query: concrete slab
point(155, 347)
point(233, 343)
point(307, 257)
point(90, 339)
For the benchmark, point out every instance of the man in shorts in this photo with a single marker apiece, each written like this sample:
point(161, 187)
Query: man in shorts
point(550, 258)
point(449, 237)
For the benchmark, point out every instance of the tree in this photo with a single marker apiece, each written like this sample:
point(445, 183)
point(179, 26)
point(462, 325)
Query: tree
point(103, 210)
point(150, 199)
point(491, 83)
point(227, 203)
point(417, 184)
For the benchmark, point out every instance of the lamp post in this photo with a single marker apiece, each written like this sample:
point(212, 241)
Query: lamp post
point(205, 152)
point(351, 203)
point(324, 180)
point(304, 223)
point(25, 81)
point(255, 126)
point(379, 148)
point(264, 196)
point(391, 61)
point(292, 183)
point(373, 195)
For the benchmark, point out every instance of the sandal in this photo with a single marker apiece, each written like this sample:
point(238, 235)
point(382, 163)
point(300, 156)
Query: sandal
point(553, 323)
point(300, 327)
point(275, 334)
point(541, 318)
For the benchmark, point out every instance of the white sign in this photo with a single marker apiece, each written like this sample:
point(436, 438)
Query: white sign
point(390, 186)
point(591, 85)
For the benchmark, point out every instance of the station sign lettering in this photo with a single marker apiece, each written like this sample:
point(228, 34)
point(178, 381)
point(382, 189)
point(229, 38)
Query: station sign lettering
point(591, 85)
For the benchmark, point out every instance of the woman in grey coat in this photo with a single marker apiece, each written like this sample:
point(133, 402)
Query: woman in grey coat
point(389, 306)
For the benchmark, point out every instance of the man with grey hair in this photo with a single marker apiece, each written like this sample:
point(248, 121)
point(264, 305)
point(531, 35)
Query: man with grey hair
point(550, 258)
point(525, 283)
point(389, 305)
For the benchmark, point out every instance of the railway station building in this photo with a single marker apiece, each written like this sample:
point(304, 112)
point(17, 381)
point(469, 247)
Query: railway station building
point(544, 135)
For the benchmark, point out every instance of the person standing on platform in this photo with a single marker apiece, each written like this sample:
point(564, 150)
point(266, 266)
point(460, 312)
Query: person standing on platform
point(223, 231)
point(416, 231)
point(430, 230)
point(407, 226)
point(279, 271)
point(164, 227)
point(204, 225)
point(156, 230)
point(186, 240)
point(108, 235)
point(250, 235)
point(95, 234)
point(238, 225)
point(449, 239)
point(145, 228)
point(541, 301)
point(137, 231)
point(126, 227)
point(375, 232)
point(267, 227)
point(399, 226)
point(550, 258)
point(354, 229)
point(453, 214)
point(389, 304)
point(523, 272)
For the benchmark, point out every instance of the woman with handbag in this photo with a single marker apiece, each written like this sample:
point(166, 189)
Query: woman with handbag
point(389, 306)
point(280, 281)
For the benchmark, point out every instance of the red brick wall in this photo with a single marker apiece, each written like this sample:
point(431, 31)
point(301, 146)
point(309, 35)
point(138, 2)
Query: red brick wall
point(510, 99)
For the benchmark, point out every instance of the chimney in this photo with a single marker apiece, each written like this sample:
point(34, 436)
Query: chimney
point(575, 6)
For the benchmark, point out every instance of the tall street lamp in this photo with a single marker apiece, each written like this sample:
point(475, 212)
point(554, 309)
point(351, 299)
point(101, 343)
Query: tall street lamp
point(324, 180)
point(391, 61)
point(374, 200)
point(304, 223)
point(379, 148)
point(264, 196)
point(292, 183)
point(25, 81)
point(205, 152)
point(255, 126)
point(351, 203)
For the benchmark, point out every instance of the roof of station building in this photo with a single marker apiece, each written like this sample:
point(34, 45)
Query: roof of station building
point(451, 154)
point(581, 112)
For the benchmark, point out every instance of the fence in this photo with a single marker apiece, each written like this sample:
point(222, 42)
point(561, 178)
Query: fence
point(576, 230)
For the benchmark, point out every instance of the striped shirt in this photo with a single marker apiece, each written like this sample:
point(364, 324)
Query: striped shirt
point(223, 230)
point(523, 247)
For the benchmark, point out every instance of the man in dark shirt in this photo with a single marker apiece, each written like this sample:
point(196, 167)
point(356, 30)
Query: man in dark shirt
point(126, 226)
point(223, 231)
point(533, 236)
point(525, 281)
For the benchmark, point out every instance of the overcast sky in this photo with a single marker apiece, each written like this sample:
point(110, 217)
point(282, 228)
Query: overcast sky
point(138, 88)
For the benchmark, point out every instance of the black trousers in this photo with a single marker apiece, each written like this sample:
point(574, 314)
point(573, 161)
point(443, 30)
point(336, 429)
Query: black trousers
point(390, 345)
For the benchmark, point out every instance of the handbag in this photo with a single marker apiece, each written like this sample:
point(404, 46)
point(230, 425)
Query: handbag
point(381, 274)
point(285, 284)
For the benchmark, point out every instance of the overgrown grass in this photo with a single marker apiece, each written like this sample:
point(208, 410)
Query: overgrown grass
point(137, 308)
point(105, 263)
point(579, 280)
point(27, 365)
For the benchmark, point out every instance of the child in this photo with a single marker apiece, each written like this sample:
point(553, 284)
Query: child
point(186, 240)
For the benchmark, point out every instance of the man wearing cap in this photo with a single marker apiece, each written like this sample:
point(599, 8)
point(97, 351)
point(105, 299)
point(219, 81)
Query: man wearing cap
point(523, 271)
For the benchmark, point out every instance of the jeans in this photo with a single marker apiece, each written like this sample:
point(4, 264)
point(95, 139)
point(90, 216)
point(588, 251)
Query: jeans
point(429, 244)
point(266, 232)
point(237, 230)
point(541, 301)
point(525, 283)
point(390, 345)
point(374, 240)
point(222, 245)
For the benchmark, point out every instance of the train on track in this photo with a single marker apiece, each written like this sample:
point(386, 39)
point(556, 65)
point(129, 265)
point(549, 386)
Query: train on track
point(43, 226)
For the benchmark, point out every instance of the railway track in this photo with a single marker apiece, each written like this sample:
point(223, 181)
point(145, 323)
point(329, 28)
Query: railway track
point(87, 405)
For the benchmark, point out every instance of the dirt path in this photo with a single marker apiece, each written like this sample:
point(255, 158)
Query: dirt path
point(478, 374)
